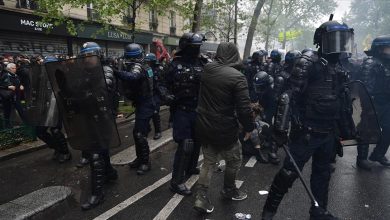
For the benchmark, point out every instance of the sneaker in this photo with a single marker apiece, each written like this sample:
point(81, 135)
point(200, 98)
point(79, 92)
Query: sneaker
point(202, 204)
point(318, 213)
point(234, 194)
point(382, 160)
point(83, 161)
point(62, 158)
point(157, 136)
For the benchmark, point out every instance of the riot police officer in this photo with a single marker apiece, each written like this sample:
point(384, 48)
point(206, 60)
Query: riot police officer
point(139, 82)
point(53, 135)
point(100, 164)
point(152, 61)
point(313, 103)
point(289, 60)
point(182, 80)
point(256, 64)
point(375, 74)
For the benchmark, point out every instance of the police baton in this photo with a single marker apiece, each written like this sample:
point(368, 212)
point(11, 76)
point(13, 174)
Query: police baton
point(313, 200)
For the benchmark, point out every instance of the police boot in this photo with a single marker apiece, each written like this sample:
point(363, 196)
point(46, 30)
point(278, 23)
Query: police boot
point(261, 157)
point(84, 160)
point(380, 159)
point(142, 144)
point(361, 159)
point(97, 182)
point(45, 136)
point(62, 146)
point(273, 156)
point(282, 182)
point(157, 126)
point(192, 167)
point(318, 213)
point(180, 163)
point(111, 173)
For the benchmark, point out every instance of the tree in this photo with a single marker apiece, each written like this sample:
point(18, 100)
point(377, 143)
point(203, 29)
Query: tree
point(58, 11)
point(291, 16)
point(252, 28)
point(368, 18)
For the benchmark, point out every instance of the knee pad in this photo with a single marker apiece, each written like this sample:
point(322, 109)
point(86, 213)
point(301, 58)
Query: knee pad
point(139, 138)
point(188, 146)
point(285, 178)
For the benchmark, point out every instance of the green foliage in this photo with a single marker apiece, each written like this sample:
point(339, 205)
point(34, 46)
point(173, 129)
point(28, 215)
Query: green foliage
point(369, 18)
point(287, 15)
point(57, 11)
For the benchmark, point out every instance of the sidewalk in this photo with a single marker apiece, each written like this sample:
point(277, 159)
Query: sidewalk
point(25, 148)
point(37, 145)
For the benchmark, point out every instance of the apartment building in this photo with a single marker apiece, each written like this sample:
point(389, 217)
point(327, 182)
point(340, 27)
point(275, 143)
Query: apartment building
point(23, 32)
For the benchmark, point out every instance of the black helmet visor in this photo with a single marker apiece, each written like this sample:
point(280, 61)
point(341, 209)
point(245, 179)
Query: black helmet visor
point(337, 42)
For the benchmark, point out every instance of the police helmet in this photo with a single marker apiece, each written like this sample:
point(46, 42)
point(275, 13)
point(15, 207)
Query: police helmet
point(134, 52)
point(191, 39)
point(91, 48)
point(291, 56)
point(151, 57)
point(276, 55)
point(306, 49)
point(380, 47)
point(262, 81)
point(334, 37)
point(49, 59)
point(263, 53)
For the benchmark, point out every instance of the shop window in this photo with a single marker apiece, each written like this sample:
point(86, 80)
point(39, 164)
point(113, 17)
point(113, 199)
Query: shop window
point(153, 20)
point(27, 4)
point(92, 14)
point(172, 22)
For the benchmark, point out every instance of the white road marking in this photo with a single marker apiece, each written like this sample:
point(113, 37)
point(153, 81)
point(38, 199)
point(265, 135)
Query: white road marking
point(113, 211)
point(251, 162)
point(174, 202)
point(239, 183)
point(121, 206)
point(127, 155)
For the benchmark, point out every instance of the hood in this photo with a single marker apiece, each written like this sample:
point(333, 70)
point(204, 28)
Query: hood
point(228, 55)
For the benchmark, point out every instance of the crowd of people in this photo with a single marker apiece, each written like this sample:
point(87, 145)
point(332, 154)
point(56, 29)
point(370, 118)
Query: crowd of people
point(226, 107)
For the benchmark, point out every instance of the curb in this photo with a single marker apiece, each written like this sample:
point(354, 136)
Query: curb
point(39, 145)
point(44, 203)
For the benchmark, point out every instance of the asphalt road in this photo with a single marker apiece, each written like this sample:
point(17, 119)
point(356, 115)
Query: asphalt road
point(354, 194)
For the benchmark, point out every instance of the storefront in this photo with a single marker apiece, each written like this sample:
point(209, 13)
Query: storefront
point(26, 34)
point(171, 43)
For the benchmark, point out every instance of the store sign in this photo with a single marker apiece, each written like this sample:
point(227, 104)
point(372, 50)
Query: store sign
point(119, 35)
point(29, 23)
point(37, 25)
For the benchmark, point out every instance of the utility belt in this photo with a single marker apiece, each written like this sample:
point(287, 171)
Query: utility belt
point(310, 131)
point(185, 108)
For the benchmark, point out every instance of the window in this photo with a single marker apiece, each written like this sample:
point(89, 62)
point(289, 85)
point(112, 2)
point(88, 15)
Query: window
point(153, 20)
point(91, 13)
point(27, 4)
point(172, 19)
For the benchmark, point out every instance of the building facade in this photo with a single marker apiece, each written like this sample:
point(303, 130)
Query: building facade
point(22, 32)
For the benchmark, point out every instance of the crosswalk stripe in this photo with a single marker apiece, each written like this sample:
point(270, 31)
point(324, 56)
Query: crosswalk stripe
point(121, 206)
point(174, 202)
point(251, 162)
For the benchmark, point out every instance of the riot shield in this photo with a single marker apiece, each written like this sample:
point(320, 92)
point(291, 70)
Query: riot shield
point(41, 109)
point(83, 101)
point(364, 116)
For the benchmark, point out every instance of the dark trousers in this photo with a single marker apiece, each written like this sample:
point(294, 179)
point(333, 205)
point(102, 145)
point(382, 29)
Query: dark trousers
point(8, 105)
point(383, 113)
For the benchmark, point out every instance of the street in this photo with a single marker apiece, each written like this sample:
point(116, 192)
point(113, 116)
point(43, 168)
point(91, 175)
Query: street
point(354, 194)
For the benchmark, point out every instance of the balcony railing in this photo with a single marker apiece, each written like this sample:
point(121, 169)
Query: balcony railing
point(172, 30)
point(153, 25)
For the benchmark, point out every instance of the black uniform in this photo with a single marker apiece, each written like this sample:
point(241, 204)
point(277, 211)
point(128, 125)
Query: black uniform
point(315, 104)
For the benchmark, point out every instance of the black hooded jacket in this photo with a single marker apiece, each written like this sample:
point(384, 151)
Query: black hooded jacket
point(223, 100)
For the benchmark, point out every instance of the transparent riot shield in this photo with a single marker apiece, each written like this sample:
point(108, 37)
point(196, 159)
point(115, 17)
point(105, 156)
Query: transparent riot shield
point(41, 108)
point(364, 116)
point(83, 101)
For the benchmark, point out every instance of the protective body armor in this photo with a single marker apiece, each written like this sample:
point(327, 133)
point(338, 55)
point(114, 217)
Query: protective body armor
point(316, 97)
point(138, 82)
point(184, 80)
point(376, 76)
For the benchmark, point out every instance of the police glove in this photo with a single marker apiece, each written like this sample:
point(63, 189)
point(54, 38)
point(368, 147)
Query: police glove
point(280, 137)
